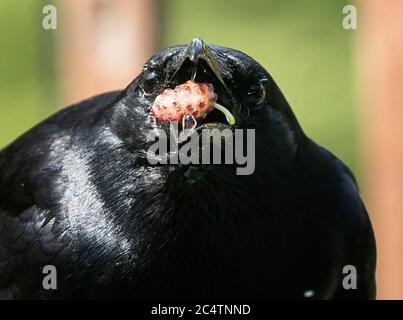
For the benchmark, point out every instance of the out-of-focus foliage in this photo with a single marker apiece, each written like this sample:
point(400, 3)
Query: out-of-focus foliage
point(27, 87)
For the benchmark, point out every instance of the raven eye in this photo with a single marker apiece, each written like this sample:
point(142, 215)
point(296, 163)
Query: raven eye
point(256, 95)
point(149, 81)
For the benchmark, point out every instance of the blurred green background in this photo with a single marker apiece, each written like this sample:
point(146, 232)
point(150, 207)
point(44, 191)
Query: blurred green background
point(27, 69)
point(301, 43)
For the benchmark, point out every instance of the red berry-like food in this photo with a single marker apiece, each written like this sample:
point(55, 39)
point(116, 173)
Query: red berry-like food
point(196, 99)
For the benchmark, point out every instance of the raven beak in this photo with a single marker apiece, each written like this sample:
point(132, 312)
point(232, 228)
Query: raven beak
point(197, 51)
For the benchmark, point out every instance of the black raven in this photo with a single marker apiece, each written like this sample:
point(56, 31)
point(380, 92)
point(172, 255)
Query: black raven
point(77, 193)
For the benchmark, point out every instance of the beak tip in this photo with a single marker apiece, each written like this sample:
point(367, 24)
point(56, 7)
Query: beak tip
point(196, 49)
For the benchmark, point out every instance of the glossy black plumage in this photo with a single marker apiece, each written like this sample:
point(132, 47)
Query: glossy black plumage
point(77, 192)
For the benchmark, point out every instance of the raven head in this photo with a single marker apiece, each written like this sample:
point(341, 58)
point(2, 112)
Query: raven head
point(243, 87)
point(200, 217)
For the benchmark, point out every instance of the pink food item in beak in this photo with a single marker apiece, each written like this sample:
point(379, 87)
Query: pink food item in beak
point(196, 99)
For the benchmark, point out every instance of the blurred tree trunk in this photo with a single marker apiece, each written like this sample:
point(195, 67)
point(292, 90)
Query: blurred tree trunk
point(380, 58)
point(103, 44)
